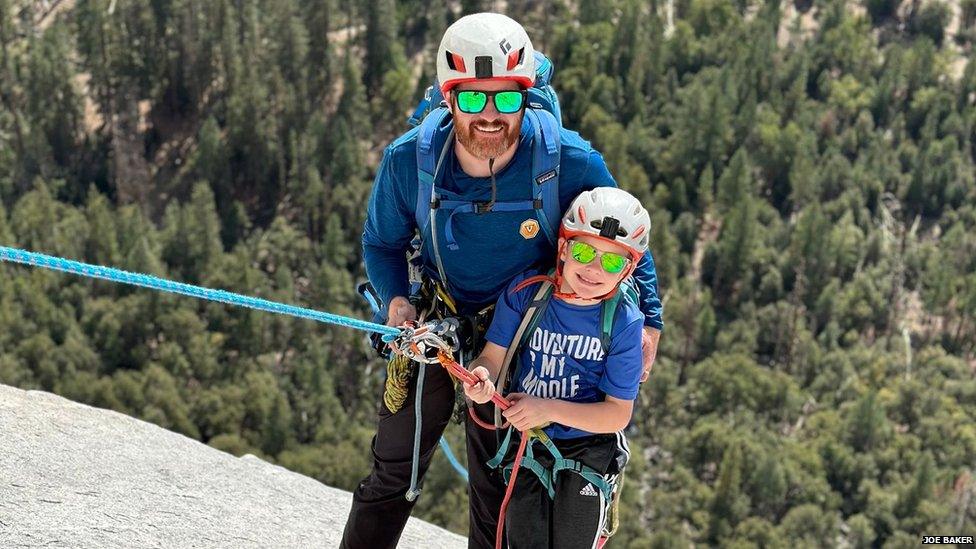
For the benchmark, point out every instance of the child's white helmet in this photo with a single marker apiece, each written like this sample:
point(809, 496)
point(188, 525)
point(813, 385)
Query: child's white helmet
point(485, 46)
point(612, 214)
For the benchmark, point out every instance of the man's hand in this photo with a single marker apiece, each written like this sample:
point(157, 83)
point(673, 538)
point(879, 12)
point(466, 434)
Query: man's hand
point(527, 412)
point(400, 311)
point(649, 339)
point(480, 392)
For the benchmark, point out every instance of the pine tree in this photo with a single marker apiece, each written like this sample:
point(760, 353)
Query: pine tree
point(53, 107)
point(191, 236)
point(277, 431)
point(920, 488)
point(138, 241)
point(728, 504)
point(291, 61)
point(318, 16)
point(474, 6)
point(768, 486)
point(930, 19)
point(867, 423)
point(102, 247)
point(811, 254)
point(596, 11)
point(18, 166)
point(6, 236)
point(343, 152)
point(164, 405)
point(383, 50)
point(738, 238)
point(181, 29)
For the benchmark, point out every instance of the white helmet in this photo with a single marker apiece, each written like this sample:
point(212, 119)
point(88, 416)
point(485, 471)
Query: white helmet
point(485, 46)
point(612, 214)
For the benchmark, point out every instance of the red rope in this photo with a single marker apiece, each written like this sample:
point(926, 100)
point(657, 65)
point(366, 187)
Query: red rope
point(459, 372)
point(500, 531)
point(462, 374)
point(480, 423)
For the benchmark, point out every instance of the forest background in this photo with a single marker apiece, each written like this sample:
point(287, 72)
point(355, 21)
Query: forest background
point(809, 167)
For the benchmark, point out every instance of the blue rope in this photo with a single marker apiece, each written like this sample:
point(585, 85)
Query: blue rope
point(147, 281)
point(453, 460)
point(23, 257)
point(414, 491)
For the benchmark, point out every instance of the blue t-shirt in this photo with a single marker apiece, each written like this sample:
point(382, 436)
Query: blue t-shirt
point(564, 357)
point(491, 249)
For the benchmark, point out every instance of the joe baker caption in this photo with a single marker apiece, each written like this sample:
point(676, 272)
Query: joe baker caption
point(939, 540)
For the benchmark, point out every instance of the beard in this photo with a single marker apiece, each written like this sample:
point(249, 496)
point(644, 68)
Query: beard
point(487, 144)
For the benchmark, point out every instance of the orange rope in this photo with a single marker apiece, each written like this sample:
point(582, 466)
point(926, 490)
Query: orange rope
point(500, 531)
point(462, 374)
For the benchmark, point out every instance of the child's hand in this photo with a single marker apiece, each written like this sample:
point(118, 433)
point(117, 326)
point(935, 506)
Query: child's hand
point(527, 412)
point(480, 392)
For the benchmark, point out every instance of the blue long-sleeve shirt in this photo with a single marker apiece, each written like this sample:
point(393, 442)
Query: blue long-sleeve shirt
point(491, 251)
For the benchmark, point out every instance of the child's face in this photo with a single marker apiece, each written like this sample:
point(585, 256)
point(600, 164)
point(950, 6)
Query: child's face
point(591, 280)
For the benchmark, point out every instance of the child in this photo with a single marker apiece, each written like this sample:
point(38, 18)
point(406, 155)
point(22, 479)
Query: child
point(578, 372)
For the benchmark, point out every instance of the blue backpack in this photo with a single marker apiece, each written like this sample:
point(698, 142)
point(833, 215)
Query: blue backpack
point(436, 132)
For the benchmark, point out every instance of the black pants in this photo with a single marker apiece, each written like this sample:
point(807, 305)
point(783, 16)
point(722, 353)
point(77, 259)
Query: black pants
point(575, 517)
point(379, 508)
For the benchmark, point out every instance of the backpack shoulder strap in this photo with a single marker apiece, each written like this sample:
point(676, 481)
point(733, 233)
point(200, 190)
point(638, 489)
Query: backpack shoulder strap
point(434, 132)
point(530, 320)
point(609, 308)
point(422, 109)
point(434, 136)
point(545, 170)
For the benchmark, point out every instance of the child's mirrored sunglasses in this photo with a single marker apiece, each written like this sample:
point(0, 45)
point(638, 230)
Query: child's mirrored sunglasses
point(506, 101)
point(611, 262)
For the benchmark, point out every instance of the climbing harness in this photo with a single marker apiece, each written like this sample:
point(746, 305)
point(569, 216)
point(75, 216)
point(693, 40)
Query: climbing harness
point(434, 343)
point(548, 477)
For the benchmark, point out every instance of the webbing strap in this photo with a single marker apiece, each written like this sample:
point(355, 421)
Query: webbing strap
point(428, 172)
point(529, 462)
point(502, 450)
point(562, 464)
point(545, 170)
point(528, 319)
point(547, 477)
point(414, 490)
point(464, 206)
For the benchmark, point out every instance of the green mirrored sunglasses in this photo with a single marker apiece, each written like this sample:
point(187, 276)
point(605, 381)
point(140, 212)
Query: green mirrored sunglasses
point(611, 262)
point(506, 101)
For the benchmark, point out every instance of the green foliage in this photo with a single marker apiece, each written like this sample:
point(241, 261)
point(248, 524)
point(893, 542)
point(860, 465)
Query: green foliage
point(728, 506)
point(881, 10)
point(384, 52)
point(930, 20)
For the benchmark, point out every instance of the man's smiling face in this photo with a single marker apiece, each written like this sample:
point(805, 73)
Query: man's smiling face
point(489, 133)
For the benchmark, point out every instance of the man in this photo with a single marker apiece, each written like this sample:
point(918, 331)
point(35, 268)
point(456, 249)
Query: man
point(484, 65)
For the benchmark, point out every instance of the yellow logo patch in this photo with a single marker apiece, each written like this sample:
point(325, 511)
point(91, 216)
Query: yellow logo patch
point(529, 228)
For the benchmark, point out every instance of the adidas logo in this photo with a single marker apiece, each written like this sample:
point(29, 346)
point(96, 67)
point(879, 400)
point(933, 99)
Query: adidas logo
point(589, 490)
